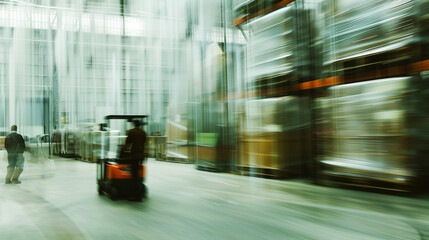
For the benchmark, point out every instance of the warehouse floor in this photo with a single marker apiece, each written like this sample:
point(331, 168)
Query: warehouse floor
point(184, 203)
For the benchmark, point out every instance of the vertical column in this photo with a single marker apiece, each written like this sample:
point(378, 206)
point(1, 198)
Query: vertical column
point(12, 81)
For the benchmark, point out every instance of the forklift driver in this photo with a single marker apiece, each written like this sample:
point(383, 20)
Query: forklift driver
point(135, 142)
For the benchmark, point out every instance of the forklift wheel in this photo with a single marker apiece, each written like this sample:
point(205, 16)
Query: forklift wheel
point(144, 191)
point(114, 193)
point(100, 189)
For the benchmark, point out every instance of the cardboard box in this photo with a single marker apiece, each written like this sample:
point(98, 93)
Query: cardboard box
point(2, 139)
point(206, 153)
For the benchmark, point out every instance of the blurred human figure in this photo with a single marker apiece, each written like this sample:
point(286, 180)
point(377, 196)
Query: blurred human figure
point(57, 141)
point(15, 147)
point(135, 142)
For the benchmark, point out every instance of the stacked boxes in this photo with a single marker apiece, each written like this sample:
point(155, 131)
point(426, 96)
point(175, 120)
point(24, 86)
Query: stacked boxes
point(271, 47)
point(243, 8)
point(279, 49)
point(115, 142)
point(368, 132)
point(362, 35)
point(2, 139)
point(422, 8)
point(178, 148)
point(86, 145)
point(273, 138)
point(101, 144)
point(209, 142)
point(372, 133)
point(206, 152)
point(66, 142)
point(98, 144)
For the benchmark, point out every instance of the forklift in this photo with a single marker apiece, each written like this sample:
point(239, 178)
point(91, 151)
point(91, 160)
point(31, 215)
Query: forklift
point(114, 170)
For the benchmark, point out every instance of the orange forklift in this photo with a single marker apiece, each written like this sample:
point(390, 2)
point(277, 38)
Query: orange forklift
point(114, 169)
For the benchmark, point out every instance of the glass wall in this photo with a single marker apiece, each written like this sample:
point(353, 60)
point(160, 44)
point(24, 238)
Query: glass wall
point(66, 63)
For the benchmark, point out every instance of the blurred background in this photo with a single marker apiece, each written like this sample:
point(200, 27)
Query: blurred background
point(316, 89)
point(315, 94)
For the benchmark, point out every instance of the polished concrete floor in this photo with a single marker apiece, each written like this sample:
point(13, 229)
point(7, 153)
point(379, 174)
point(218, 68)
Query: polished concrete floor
point(184, 203)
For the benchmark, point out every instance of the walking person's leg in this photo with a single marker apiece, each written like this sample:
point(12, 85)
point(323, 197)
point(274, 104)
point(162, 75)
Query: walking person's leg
point(18, 168)
point(12, 159)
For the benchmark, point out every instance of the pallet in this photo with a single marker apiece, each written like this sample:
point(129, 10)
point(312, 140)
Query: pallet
point(95, 159)
point(210, 168)
point(176, 160)
point(272, 83)
point(394, 57)
point(261, 172)
point(87, 159)
point(368, 183)
point(424, 51)
point(68, 155)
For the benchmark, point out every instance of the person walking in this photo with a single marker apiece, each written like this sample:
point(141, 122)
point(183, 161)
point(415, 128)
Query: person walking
point(15, 147)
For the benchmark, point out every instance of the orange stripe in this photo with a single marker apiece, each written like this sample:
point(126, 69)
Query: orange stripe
point(306, 85)
point(420, 66)
point(276, 91)
point(239, 21)
point(336, 80)
point(115, 172)
point(279, 90)
point(333, 81)
point(318, 83)
point(375, 74)
point(261, 12)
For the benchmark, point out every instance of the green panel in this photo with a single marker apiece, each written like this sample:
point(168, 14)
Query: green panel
point(207, 139)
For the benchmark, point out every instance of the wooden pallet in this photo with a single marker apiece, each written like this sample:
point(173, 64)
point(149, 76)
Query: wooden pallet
point(211, 165)
point(423, 51)
point(274, 82)
point(368, 183)
point(175, 159)
point(394, 57)
point(86, 158)
point(260, 172)
point(68, 155)
point(208, 169)
point(95, 159)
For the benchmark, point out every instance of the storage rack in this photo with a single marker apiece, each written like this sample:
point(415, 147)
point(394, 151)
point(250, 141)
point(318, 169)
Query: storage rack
point(398, 51)
point(275, 117)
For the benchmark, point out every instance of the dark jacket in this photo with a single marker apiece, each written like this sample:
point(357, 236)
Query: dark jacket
point(14, 143)
point(135, 142)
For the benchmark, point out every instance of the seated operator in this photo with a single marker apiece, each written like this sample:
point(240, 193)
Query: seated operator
point(135, 142)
